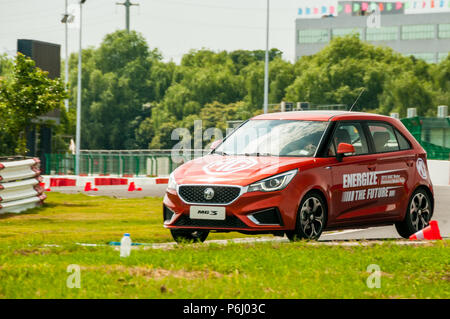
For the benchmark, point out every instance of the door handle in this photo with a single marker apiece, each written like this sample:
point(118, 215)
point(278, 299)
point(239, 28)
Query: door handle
point(372, 167)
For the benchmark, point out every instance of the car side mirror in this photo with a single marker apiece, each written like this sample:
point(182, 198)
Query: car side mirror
point(215, 144)
point(344, 148)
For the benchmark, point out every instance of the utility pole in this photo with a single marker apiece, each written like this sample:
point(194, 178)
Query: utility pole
point(127, 5)
point(266, 69)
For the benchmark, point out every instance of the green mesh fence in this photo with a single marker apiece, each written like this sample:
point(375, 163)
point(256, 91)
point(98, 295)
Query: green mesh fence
point(111, 164)
point(433, 134)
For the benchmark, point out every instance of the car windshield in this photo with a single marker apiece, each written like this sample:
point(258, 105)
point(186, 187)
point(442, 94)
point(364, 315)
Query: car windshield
point(274, 138)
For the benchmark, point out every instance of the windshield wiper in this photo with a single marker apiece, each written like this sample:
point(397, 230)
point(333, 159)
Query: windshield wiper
point(257, 154)
point(220, 153)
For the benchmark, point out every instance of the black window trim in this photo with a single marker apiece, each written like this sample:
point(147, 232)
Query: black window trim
point(325, 140)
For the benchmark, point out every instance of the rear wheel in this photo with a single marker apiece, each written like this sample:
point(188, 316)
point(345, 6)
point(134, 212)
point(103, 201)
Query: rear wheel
point(311, 218)
point(189, 236)
point(418, 214)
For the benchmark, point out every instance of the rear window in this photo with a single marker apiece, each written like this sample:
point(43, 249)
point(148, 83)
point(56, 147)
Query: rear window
point(402, 141)
point(383, 137)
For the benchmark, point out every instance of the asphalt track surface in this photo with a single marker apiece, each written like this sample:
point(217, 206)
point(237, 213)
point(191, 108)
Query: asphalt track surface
point(441, 212)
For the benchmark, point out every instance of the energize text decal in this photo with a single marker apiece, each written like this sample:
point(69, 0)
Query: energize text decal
point(367, 179)
point(359, 179)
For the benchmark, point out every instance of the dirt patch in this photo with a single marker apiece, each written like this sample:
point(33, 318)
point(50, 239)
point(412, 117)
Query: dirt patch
point(76, 204)
point(34, 251)
point(163, 273)
point(158, 273)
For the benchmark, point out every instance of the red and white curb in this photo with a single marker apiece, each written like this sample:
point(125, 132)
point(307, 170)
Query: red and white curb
point(92, 183)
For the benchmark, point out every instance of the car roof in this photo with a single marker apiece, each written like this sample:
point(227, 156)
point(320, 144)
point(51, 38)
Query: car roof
point(320, 116)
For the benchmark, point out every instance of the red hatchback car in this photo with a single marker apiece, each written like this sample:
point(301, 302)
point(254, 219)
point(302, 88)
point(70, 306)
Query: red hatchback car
point(300, 173)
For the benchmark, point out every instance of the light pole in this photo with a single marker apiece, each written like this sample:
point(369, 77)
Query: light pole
point(266, 68)
point(66, 61)
point(78, 131)
point(67, 18)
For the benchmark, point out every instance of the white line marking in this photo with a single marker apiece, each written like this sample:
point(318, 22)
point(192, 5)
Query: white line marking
point(171, 245)
point(345, 232)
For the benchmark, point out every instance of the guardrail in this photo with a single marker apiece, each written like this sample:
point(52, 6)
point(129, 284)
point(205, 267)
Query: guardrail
point(20, 184)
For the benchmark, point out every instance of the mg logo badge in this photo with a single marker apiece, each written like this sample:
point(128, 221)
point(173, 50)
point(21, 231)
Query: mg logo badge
point(421, 168)
point(208, 193)
point(227, 166)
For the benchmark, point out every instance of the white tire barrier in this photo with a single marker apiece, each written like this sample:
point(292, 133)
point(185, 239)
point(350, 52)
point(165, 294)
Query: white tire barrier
point(19, 185)
point(18, 173)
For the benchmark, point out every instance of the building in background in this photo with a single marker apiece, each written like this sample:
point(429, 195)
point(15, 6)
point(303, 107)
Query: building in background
point(418, 28)
point(46, 57)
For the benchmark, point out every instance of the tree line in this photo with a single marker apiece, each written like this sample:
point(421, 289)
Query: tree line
point(132, 99)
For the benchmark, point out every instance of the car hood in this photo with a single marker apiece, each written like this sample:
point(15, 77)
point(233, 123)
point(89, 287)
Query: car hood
point(235, 170)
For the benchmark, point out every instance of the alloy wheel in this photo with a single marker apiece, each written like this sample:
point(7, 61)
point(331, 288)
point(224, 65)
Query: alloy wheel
point(311, 217)
point(419, 210)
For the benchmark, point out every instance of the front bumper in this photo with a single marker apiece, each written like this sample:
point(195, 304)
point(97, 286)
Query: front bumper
point(250, 212)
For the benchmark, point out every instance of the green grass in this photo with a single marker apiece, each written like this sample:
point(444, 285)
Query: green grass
point(67, 219)
point(30, 269)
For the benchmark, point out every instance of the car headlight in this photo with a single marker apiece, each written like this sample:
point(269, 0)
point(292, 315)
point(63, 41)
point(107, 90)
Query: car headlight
point(172, 184)
point(274, 183)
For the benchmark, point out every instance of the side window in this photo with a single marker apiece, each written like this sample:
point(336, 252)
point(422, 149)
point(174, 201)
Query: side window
point(350, 133)
point(402, 141)
point(383, 137)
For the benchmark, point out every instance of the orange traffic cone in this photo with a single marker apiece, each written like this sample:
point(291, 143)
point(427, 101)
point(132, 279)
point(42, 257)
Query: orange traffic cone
point(431, 232)
point(43, 186)
point(132, 187)
point(88, 187)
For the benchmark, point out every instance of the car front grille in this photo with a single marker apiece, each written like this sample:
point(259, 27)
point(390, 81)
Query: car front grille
point(196, 194)
point(229, 222)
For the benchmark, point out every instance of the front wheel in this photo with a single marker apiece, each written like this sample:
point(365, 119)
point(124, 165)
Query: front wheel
point(311, 218)
point(188, 236)
point(418, 214)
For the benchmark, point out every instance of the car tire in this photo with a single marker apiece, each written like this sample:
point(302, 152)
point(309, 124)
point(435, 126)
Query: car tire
point(189, 236)
point(418, 214)
point(311, 218)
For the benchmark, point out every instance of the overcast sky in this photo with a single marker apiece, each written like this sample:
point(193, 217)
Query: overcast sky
point(173, 26)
